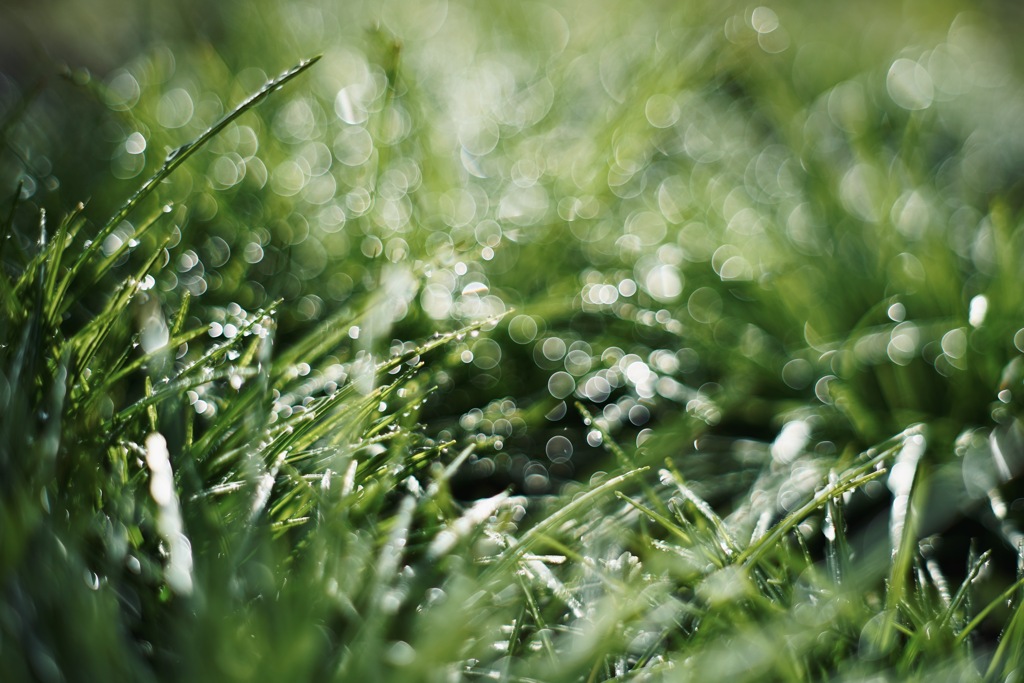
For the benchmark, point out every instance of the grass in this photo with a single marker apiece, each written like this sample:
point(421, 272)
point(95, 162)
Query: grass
point(535, 345)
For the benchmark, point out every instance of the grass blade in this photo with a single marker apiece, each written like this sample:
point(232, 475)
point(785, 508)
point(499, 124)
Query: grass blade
point(175, 159)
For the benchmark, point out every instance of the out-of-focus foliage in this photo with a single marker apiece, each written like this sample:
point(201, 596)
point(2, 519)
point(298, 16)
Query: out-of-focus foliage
point(532, 341)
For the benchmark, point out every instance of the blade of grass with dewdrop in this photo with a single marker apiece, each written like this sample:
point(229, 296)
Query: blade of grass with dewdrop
point(265, 483)
point(286, 524)
point(837, 551)
point(84, 392)
point(29, 351)
point(363, 411)
point(151, 413)
point(175, 159)
point(538, 618)
point(48, 258)
point(965, 587)
point(609, 443)
point(710, 549)
point(442, 479)
point(704, 538)
point(335, 329)
point(568, 511)
point(258, 346)
point(165, 390)
point(438, 340)
point(853, 478)
point(112, 258)
point(302, 498)
point(374, 465)
point(49, 442)
point(905, 544)
point(252, 407)
point(758, 548)
point(298, 498)
point(612, 446)
point(304, 429)
point(515, 633)
point(7, 284)
point(980, 616)
point(37, 317)
point(323, 339)
point(230, 422)
point(182, 314)
point(461, 529)
point(1009, 653)
point(217, 353)
point(938, 580)
point(393, 550)
point(664, 521)
point(702, 507)
point(90, 340)
point(65, 233)
point(45, 264)
point(390, 420)
point(317, 454)
point(119, 371)
point(320, 420)
point(338, 418)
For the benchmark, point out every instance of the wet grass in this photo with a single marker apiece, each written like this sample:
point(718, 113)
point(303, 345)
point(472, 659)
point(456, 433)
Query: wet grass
point(542, 345)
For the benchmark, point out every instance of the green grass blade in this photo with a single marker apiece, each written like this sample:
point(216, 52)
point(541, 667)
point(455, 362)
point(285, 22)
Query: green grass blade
point(965, 587)
point(175, 159)
point(985, 611)
point(563, 514)
point(754, 552)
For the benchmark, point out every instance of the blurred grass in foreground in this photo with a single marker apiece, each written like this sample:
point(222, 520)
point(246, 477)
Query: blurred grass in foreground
point(561, 342)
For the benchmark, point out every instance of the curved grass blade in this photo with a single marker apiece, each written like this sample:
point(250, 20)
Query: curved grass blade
point(175, 159)
point(89, 341)
point(515, 552)
point(998, 600)
point(961, 594)
point(856, 477)
point(664, 521)
point(761, 546)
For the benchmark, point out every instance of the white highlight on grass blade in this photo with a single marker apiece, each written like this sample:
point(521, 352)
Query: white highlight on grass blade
point(348, 482)
point(540, 572)
point(1006, 473)
point(178, 572)
point(901, 481)
point(790, 441)
point(391, 554)
point(464, 525)
point(265, 485)
point(764, 522)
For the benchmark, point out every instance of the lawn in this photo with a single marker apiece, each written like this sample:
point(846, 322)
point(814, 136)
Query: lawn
point(553, 341)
